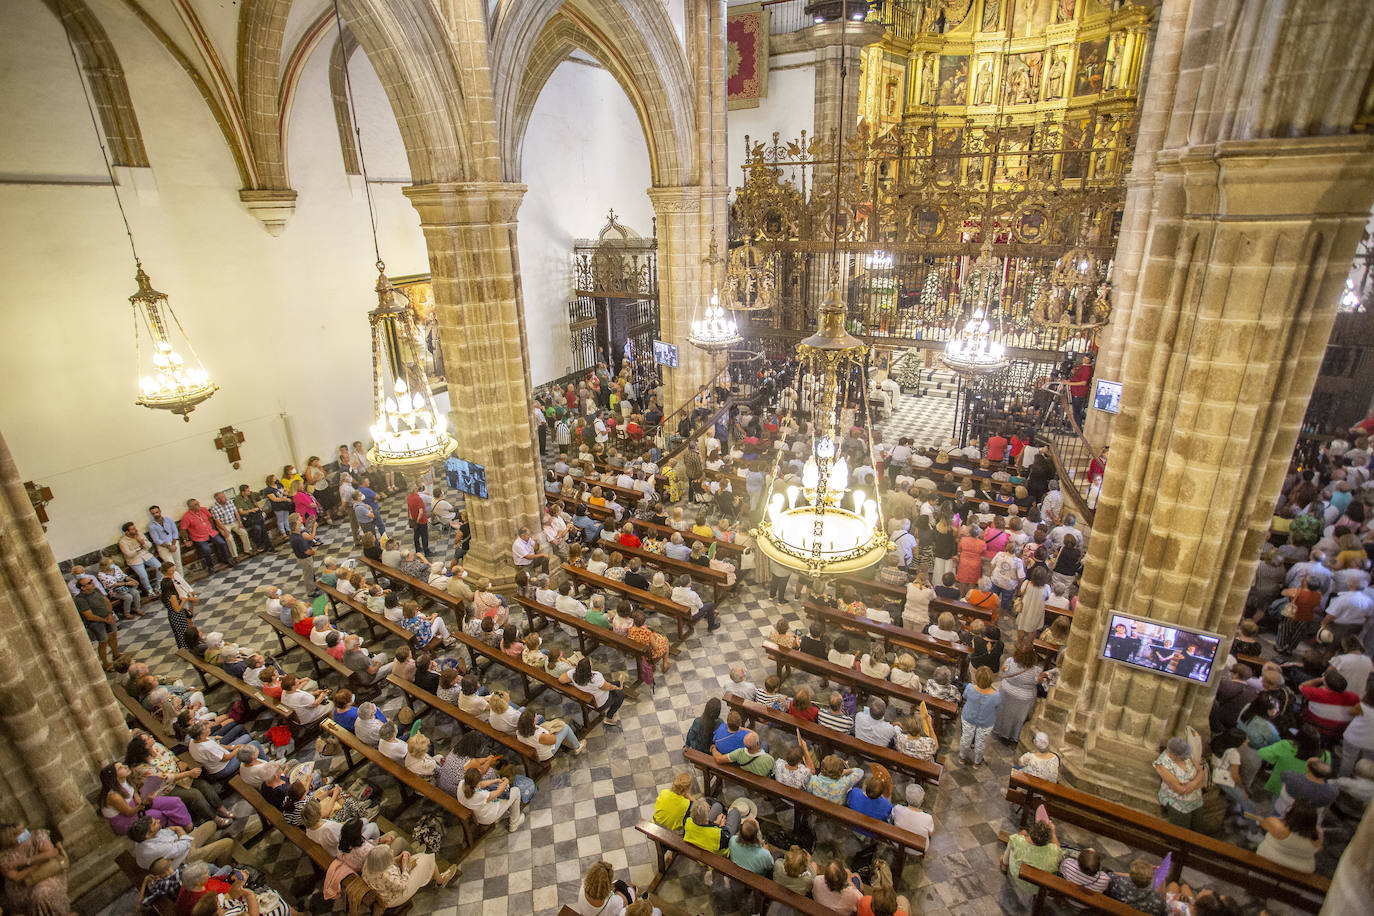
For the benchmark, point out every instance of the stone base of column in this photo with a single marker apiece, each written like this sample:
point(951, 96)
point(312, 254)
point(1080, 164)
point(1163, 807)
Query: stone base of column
point(1094, 764)
point(92, 878)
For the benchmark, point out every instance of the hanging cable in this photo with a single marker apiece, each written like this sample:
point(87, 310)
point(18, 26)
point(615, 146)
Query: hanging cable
point(99, 135)
point(358, 135)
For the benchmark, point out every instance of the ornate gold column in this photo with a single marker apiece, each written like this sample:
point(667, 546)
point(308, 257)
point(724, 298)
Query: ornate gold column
point(470, 233)
point(59, 723)
point(1246, 253)
point(684, 216)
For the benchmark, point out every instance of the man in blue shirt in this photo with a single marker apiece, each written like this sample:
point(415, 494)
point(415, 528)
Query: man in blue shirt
point(590, 527)
point(869, 800)
point(167, 536)
point(730, 734)
point(303, 548)
point(370, 497)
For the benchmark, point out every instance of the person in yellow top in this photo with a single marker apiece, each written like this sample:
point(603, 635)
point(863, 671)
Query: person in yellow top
point(289, 475)
point(597, 498)
point(710, 827)
point(701, 529)
point(671, 807)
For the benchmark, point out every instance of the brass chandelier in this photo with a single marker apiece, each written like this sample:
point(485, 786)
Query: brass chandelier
point(819, 525)
point(976, 348)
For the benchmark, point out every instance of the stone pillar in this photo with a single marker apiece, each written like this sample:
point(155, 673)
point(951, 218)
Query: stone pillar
point(1246, 254)
point(684, 219)
point(470, 233)
point(838, 43)
point(59, 722)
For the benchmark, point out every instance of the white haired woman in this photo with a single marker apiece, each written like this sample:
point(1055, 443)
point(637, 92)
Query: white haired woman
point(397, 878)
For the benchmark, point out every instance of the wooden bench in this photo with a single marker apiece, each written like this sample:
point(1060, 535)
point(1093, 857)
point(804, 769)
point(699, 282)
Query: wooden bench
point(942, 711)
point(719, 581)
point(626, 496)
point(587, 632)
point(642, 597)
point(873, 587)
point(962, 610)
point(344, 605)
point(150, 723)
point(251, 695)
point(660, 481)
point(1157, 836)
point(411, 785)
point(802, 802)
point(926, 771)
point(947, 653)
point(603, 515)
point(534, 767)
point(1053, 885)
point(421, 589)
point(291, 640)
point(529, 673)
point(667, 531)
point(765, 889)
point(163, 906)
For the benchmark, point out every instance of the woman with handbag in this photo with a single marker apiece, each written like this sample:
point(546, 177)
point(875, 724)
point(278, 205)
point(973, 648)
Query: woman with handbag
point(35, 873)
point(1298, 616)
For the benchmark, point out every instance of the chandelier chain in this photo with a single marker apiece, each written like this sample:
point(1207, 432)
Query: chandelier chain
point(95, 125)
point(358, 134)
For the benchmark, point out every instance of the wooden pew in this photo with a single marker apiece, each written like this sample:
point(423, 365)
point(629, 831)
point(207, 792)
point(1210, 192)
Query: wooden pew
point(766, 890)
point(1054, 885)
point(603, 515)
point(587, 632)
point(150, 723)
point(645, 599)
point(586, 705)
point(660, 482)
point(534, 767)
point(251, 695)
point(674, 568)
point(964, 611)
point(654, 529)
point(926, 771)
point(712, 774)
point(291, 640)
point(344, 605)
point(626, 496)
point(1157, 836)
point(422, 590)
point(873, 587)
point(947, 653)
point(942, 711)
point(164, 906)
point(412, 786)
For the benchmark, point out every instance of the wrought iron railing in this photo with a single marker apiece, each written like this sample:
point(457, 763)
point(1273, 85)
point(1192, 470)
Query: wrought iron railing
point(1073, 455)
point(786, 16)
point(665, 436)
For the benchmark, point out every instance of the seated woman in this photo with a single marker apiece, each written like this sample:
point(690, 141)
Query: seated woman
point(874, 663)
point(489, 799)
point(429, 630)
point(602, 895)
point(1037, 846)
point(607, 698)
point(1040, 761)
point(945, 627)
point(917, 738)
point(903, 672)
point(640, 632)
point(1293, 840)
point(840, 654)
point(546, 741)
point(418, 758)
point(395, 879)
point(121, 803)
point(146, 757)
point(615, 568)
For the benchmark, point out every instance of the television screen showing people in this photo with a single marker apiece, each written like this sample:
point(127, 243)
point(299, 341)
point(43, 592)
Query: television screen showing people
point(1107, 396)
point(1161, 648)
point(665, 354)
point(468, 477)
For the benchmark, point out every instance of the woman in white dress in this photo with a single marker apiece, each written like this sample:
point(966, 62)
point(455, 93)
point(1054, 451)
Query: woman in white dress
point(1034, 592)
point(397, 878)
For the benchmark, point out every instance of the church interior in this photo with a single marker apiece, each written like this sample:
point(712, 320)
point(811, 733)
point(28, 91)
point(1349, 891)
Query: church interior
point(687, 457)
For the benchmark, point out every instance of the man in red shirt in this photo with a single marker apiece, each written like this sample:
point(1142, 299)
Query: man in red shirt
point(1330, 706)
point(419, 519)
point(997, 447)
point(1079, 383)
point(200, 528)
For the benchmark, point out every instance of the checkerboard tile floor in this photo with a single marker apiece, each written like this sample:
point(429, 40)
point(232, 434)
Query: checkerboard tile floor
point(587, 806)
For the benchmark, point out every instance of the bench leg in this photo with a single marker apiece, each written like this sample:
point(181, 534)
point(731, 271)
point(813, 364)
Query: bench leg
point(899, 862)
point(1038, 904)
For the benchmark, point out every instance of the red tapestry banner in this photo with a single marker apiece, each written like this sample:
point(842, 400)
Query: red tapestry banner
point(746, 55)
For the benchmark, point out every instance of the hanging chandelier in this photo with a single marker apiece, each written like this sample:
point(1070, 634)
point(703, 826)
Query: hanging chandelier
point(715, 331)
point(976, 348)
point(819, 525)
point(167, 381)
point(410, 430)
point(170, 383)
point(1076, 293)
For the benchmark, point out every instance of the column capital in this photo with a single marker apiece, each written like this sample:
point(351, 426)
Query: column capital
point(466, 203)
point(676, 199)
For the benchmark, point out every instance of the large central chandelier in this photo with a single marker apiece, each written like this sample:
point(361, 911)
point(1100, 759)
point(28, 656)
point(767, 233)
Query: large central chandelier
point(715, 330)
point(975, 349)
point(817, 524)
point(410, 430)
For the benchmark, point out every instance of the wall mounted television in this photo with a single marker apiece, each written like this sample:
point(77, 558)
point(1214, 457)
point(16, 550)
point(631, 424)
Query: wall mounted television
point(466, 477)
point(1163, 648)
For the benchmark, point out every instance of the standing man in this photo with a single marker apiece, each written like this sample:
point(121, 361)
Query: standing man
point(541, 425)
point(303, 548)
point(98, 618)
point(364, 519)
point(230, 522)
point(419, 519)
point(165, 535)
point(346, 492)
point(370, 497)
point(200, 528)
point(254, 519)
point(1079, 383)
point(138, 554)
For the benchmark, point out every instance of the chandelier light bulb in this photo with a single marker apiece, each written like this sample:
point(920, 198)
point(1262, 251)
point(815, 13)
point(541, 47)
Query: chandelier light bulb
point(811, 475)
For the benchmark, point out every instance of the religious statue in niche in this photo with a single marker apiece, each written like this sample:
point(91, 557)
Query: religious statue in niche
point(926, 95)
point(1092, 57)
point(985, 93)
point(1023, 78)
point(1054, 86)
point(420, 292)
point(1111, 71)
point(992, 11)
point(1063, 10)
point(953, 80)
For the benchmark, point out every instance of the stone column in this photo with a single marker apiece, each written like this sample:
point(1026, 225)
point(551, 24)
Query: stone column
point(470, 233)
point(838, 43)
point(59, 723)
point(1246, 254)
point(684, 219)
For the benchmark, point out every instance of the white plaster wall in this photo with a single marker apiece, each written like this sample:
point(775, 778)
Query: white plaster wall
point(788, 109)
point(584, 154)
point(279, 322)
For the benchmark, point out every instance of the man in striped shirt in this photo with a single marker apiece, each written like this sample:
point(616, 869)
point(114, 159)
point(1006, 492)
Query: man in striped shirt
point(835, 717)
point(1330, 706)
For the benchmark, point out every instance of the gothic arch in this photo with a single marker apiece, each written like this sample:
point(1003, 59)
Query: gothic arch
point(343, 116)
point(633, 39)
point(105, 77)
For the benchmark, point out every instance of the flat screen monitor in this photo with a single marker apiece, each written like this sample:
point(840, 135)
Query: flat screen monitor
point(665, 354)
point(1107, 396)
point(1163, 648)
point(466, 477)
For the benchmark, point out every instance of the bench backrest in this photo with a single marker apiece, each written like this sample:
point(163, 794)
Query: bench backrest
point(571, 691)
point(467, 720)
point(1066, 889)
point(600, 634)
point(146, 720)
point(1153, 834)
point(642, 596)
point(867, 685)
point(960, 609)
point(274, 816)
point(397, 771)
point(350, 603)
point(224, 677)
point(682, 566)
point(924, 643)
point(766, 886)
point(419, 585)
point(304, 642)
point(668, 531)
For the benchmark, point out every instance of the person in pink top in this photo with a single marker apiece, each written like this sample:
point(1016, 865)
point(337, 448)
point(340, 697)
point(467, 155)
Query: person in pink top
point(200, 528)
point(304, 503)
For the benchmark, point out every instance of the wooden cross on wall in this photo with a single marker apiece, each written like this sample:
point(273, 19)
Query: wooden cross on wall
point(39, 497)
point(229, 440)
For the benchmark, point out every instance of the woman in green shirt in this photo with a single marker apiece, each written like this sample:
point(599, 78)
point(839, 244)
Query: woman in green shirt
point(1292, 754)
point(1036, 846)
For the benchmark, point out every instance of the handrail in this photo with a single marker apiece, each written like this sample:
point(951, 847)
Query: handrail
point(669, 422)
point(1072, 455)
